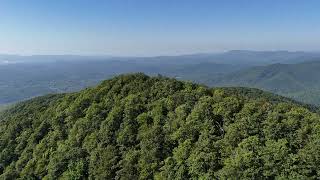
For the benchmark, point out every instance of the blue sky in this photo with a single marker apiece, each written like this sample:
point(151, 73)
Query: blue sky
point(157, 27)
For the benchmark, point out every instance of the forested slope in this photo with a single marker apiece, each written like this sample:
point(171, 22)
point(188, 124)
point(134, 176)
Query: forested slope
point(138, 127)
point(299, 81)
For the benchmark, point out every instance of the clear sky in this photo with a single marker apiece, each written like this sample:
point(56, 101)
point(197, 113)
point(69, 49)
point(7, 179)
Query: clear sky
point(157, 27)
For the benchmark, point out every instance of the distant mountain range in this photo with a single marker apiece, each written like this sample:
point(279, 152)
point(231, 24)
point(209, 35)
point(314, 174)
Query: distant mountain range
point(292, 74)
point(239, 57)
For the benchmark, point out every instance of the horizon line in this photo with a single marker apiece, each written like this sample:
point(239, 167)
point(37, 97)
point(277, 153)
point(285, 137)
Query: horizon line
point(150, 56)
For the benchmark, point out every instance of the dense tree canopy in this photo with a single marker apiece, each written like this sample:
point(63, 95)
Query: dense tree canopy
point(138, 127)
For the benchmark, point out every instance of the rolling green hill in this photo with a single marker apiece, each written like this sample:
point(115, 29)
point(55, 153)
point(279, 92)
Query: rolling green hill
point(138, 127)
point(299, 81)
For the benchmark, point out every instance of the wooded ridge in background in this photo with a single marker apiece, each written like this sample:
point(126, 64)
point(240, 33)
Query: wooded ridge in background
point(291, 74)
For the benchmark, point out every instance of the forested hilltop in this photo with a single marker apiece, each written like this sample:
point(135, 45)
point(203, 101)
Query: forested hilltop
point(140, 127)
